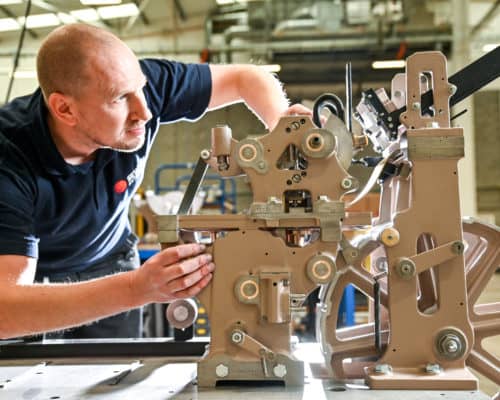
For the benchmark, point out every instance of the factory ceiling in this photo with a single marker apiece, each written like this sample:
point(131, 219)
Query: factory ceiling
point(309, 41)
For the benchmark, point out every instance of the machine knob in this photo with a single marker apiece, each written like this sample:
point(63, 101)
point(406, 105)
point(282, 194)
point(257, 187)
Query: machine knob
point(181, 314)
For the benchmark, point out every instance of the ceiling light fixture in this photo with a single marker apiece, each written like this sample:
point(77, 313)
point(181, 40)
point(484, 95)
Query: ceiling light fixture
point(10, 2)
point(121, 11)
point(99, 2)
point(388, 64)
point(274, 68)
point(490, 46)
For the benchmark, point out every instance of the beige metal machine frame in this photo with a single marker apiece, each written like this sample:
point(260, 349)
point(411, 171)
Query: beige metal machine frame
point(293, 239)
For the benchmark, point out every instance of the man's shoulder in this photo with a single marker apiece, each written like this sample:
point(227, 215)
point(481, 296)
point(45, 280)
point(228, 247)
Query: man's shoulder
point(19, 115)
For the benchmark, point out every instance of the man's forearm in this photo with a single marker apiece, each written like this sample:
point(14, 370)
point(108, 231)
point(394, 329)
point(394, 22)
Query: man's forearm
point(260, 90)
point(30, 309)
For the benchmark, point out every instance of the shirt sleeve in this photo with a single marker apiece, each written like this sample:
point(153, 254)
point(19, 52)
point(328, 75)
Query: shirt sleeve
point(17, 196)
point(176, 90)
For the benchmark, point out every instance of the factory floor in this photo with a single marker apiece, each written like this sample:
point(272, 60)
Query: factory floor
point(490, 295)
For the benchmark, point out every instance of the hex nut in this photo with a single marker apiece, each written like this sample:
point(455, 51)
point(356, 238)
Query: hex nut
point(236, 337)
point(433, 369)
point(279, 370)
point(383, 369)
point(451, 344)
point(221, 370)
point(346, 183)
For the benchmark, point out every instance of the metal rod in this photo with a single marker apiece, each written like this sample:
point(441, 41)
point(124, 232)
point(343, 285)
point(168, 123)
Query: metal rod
point(376, 300)
point(348, 96)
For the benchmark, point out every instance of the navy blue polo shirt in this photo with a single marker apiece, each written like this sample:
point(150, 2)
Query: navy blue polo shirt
point(72, 216)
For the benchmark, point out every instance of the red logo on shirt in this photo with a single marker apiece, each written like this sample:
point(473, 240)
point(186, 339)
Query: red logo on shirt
point(121, 186)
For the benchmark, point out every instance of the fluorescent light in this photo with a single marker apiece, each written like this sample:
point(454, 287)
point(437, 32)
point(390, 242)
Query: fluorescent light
point(271, 67)
point(66, 18)
point(224, 2)
point(8, 24)
point(388, 64)
point(25, 74)
point(489, 47)
point(9, 2)
point(40, 20)
point(85, 15)
point(121, 11)
point(99, 2)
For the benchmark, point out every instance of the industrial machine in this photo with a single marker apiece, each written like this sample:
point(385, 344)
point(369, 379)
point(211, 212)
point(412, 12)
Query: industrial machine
point(428, 266)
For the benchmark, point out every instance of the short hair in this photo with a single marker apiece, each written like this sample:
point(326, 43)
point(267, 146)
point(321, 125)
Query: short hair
point(65, 56)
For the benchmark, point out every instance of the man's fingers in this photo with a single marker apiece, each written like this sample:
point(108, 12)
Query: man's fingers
point(298, 109)
point(186, 267)
point(195, 289)
point(177, 253)
point(190, 279)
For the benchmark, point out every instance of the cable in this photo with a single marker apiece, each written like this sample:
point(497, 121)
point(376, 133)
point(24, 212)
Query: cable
point(18, 51)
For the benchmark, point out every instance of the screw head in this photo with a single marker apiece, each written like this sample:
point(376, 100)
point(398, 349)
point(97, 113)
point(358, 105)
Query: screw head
point(236, 337)
point(221, 370)
point(406, 268)
point(458, 247)
point(261, 165)
point(346, 183)
point(434, 369)
point(279, 370)
point(415, 106)
point(383, 369)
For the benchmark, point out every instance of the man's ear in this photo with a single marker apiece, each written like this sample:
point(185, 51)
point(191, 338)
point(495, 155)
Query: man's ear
point(62, 108)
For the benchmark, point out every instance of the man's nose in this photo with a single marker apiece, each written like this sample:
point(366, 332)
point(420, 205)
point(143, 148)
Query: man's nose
point(140, 109)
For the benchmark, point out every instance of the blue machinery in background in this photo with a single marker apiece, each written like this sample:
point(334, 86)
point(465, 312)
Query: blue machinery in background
point(226, 194)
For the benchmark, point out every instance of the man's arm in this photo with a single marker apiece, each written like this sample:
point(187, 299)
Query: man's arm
point(27, 308)
point(259, 89)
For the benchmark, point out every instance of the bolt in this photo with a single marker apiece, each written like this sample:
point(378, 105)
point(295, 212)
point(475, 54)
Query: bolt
point(205, 154)
point(237, 337)
point(273, 200)
point(383, 369)
point(248, 152)
point(346, 183)
point(279, 370)
point(406, 269)
point(261, 165)
point(296, 178)
point(415, 106)
point(221, 371)
point(451, 346)
point(452, 89)
point(457, 247)
point(434, 369)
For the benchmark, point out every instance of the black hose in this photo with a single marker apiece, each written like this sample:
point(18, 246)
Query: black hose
point(330, 101)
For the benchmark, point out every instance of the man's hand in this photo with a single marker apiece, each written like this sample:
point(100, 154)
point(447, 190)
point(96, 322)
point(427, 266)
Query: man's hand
point(298, 109)
point(174, 273)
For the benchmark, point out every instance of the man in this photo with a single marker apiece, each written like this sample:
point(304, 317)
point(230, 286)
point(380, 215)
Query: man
point(71, 156)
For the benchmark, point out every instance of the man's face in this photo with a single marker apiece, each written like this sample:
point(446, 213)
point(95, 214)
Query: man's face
point(111, 110)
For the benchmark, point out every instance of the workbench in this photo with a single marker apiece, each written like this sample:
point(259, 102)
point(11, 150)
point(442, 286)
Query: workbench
point(175, 377)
